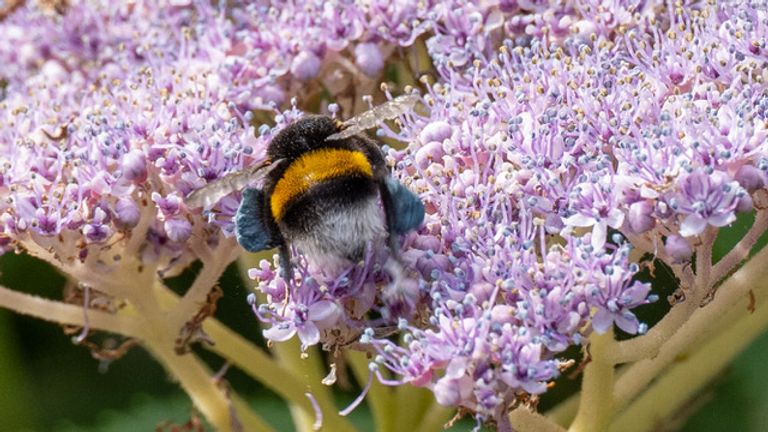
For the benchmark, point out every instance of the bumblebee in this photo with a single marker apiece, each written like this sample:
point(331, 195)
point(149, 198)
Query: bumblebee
point(326, 190)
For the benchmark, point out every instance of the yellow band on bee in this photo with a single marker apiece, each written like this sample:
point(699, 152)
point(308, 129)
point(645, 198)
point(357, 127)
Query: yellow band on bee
point(313, 168)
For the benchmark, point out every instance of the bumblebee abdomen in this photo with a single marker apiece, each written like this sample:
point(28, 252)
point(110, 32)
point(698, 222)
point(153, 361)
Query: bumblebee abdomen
point(336, 195)
point(308, 173)
point(335, 219)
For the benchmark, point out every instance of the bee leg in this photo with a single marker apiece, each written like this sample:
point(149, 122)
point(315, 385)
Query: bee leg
point(404, 212)
point(403, 209)
point(394, 266)
point(286, 267)
point(402, 293)
point(389, 213)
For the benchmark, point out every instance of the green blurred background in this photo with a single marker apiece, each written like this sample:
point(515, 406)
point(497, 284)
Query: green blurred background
point(49, 384)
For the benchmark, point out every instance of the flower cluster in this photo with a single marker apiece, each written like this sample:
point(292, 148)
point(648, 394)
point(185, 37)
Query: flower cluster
point(113, 113)
point(538, 174)
point(283, 49)
point(550, 142)
point(107, 136)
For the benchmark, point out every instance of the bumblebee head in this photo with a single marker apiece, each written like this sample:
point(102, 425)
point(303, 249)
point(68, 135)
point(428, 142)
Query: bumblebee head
point(308, 133)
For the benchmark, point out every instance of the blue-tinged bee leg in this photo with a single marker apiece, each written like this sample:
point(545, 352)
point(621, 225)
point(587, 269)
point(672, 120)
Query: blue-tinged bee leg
point(286, 267)
point(389, 214)
point(404, 212)
point(287, 271)
point(251, 230)
point(403, 209)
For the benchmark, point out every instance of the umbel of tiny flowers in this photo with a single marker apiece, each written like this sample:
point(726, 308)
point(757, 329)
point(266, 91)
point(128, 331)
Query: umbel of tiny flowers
point(100, 140)
point(555, 148)
point(530, 161)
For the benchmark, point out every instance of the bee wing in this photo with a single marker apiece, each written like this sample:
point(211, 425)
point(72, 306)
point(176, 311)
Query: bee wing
point(211, 193)
point(370, 118)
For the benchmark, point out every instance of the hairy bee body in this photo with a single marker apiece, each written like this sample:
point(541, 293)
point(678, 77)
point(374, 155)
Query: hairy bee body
point(328, 197)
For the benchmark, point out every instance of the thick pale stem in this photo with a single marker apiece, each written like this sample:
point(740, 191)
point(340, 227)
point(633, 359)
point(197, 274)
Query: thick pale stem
point(411, 405)
point(698, 328)
point(159, 335)
point(648, 345)
point(703, 281)
point(106, 283)
point(245, 415)
point(197, 382)
point(308, 369)
point(147, 322)
point(263, 368)
point(267, 371)
point(524, 420)
point(685, 379)
point(564, 413)
point(139, 232)
point(597, 386)
point(197, 294)
point(435, 417)
point(62, 313)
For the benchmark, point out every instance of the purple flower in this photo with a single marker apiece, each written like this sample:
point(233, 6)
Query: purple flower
point(706, 199)
point(328, 299)
point(306, 321)
point(610, 288)
point(592, 207)
point(640, 216)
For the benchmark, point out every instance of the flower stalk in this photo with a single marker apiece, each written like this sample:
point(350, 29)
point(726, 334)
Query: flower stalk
point(708, 321)
point(684, 379)
point(596, 402)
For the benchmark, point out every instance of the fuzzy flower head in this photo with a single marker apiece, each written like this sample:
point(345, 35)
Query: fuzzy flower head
point(538, 140)
point(89, 163)
point(547, 139)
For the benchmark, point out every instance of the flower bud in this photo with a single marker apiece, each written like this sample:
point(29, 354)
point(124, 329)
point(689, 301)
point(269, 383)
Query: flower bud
point(305, 66)
point(750, 178)
point(134, 165)
point(368, 57)
point(126, 213)
point(178, 230)
point(641, 217)
point(428, 154)
point(678, 248)
point(452, 392)
point(436, 131)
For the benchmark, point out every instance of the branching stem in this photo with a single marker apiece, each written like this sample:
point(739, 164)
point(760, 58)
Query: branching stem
point(524, 420)
point(597, 385)
point(674, 388)
point(702, 324)
point(648, 345)
point(63, 313)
